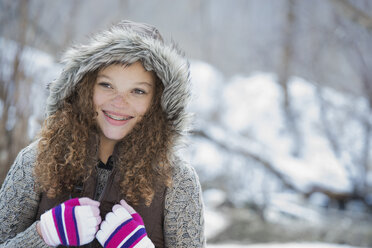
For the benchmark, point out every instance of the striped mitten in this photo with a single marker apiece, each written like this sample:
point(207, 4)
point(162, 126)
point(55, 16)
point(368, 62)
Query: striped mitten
point(72, 223)
point(123, 227)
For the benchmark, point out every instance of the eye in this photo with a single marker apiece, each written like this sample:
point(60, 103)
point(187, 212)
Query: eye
point(139, 91)
point(105, 85)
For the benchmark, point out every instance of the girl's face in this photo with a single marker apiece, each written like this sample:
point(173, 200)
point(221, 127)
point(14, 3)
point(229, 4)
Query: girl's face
point(121, 97)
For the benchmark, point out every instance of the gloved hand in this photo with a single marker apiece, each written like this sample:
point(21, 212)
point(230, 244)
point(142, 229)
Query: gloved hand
point(123, 227)
point(72, 223)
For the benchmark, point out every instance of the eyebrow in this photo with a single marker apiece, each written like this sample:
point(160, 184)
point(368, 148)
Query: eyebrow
point(103, 75)
point(145, 83)
point(141, 82)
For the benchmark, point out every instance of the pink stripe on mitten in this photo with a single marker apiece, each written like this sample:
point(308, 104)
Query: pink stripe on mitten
point(71, 226)
point(71, 223)
point(136, 217)
point(123, 230)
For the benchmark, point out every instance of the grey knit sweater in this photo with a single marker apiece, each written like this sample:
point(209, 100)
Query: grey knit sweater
point(183, 220)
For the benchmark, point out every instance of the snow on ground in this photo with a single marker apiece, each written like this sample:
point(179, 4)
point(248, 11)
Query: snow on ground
point(287, 245)
point(215, 221)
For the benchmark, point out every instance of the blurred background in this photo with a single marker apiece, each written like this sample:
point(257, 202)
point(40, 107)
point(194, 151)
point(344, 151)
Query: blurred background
point(282, 103)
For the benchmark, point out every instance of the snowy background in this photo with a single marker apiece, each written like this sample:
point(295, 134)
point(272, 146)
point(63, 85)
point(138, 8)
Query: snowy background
point(245, 155)
point(247, 118)
point(283, 156)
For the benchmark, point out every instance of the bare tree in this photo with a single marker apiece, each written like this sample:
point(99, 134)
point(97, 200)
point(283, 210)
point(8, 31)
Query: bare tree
point(28, 31)
point(13, 132)
point(353, 13)
point(284, 73)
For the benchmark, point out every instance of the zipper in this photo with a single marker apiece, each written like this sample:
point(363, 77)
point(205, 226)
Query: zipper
point(108, 184)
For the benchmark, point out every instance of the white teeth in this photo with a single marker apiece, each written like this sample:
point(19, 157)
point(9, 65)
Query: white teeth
point(117, 118)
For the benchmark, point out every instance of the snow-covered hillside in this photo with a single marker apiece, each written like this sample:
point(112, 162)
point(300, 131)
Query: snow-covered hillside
point(245, 114)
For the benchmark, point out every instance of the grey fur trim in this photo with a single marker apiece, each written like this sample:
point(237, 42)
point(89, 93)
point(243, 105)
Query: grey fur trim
point(126, 46)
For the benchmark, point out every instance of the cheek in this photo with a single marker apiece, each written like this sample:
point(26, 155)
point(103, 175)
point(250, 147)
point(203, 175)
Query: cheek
point(98, 99)
point(95, 100)
point(144, 107)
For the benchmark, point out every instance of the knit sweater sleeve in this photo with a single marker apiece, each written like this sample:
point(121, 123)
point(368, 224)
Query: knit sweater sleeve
point(19, 204)
point(184, 213)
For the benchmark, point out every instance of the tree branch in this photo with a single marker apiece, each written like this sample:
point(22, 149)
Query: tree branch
point(358, 16)
point(248, 154)
point(338, 196)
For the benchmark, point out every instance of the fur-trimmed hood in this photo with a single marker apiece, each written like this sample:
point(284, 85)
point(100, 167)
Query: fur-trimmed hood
point(124, 44)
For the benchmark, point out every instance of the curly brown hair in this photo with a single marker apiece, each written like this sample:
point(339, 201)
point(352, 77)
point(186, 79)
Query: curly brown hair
point(68, 147)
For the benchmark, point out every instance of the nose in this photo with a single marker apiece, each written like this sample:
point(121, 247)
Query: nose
point(120, 100)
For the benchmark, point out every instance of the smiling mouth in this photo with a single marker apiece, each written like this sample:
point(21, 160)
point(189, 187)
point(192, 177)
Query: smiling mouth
point(116, 117)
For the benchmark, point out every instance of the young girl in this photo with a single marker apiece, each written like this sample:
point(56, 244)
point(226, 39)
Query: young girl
point(104, 171)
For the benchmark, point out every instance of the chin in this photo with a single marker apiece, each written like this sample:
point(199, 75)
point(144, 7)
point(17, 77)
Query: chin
point(114, 136)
